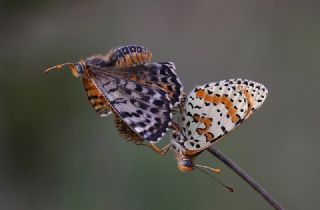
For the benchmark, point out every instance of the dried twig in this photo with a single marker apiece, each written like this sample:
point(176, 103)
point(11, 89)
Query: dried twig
point(222, 157)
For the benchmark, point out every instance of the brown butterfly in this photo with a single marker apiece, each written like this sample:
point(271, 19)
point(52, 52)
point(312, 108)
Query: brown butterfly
point(140, 93)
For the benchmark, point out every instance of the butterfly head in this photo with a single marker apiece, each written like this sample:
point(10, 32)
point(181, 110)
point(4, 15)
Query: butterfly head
point(76, 69)
point(185, 164)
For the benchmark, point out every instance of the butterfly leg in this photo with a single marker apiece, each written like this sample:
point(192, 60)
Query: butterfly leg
point(156, 149)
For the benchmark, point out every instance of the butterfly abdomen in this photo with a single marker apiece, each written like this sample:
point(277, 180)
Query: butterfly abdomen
point(129, 56)
point(97, 101)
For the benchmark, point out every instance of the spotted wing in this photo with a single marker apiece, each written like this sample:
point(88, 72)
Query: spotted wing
point(97, 101)
point(144, 109)
point(159, 75)
point(214, 109)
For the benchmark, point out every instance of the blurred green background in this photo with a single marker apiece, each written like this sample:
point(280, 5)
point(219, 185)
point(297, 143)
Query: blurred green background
point(56, 153)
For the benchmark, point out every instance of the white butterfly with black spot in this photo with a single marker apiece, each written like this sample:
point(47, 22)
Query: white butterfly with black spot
point(214, 109)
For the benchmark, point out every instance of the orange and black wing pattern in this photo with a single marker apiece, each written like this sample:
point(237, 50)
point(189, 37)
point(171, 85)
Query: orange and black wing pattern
point(214, 109)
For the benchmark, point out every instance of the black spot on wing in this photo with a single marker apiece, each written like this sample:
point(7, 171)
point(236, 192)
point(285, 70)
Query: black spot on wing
point(224, 130)
point(138, 87)
point(190, 104)
point(189, 114)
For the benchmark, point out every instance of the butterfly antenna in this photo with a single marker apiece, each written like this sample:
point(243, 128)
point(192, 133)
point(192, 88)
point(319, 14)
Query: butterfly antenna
point(59, 67)
point(214, 170)
point(211, 175)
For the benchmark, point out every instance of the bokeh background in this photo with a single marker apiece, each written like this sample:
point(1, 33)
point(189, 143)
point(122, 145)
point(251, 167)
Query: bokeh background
point(56, 153)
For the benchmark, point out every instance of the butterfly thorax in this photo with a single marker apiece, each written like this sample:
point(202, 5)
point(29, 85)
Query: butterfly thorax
point(97, 62)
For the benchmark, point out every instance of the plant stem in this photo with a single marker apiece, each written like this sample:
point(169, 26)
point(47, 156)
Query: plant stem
point(231, 164)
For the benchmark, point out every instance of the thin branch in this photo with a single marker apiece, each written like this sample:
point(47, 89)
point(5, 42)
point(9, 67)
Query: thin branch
point(223, 158)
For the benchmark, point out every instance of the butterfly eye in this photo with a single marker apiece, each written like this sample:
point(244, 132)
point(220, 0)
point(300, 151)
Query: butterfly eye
point(187, 163)
point(79, 68)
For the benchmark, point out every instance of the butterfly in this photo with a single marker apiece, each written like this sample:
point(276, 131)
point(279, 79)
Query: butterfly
point(208, 113)
point(141, 94)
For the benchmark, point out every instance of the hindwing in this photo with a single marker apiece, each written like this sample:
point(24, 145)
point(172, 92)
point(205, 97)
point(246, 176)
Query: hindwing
point(158, 75)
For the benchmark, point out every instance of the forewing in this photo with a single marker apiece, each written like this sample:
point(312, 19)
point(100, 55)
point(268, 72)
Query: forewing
point(214, 109)
point(160, 75)
point(145, 109)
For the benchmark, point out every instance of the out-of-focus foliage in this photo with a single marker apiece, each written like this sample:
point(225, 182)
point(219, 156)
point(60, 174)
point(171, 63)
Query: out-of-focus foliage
point(56, 153)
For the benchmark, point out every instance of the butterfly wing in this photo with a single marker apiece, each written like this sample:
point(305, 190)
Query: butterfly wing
point(145, 109)
point(214, 109)
point(159, 75)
